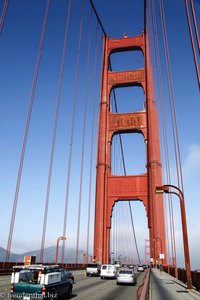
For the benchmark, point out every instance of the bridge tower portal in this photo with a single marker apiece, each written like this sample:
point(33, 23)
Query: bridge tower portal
point(110, 188)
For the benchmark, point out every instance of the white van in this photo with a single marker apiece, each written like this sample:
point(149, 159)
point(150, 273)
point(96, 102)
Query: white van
point(108, 271)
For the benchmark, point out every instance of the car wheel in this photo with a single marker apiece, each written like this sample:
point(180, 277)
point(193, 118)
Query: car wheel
point(69, 294)
point(52, 294)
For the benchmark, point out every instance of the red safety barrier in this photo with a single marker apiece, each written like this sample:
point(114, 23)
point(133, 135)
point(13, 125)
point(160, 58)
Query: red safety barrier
point(181, 275)
point(6, 268)
point(143, 289)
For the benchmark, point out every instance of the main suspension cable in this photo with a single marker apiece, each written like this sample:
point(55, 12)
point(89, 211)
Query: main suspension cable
point(98, 18)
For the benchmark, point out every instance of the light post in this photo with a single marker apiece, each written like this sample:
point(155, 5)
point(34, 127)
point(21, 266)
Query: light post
point(161, 246)
point(119, 257)
point(110, 258)
point(61, 238)
point(167, 189)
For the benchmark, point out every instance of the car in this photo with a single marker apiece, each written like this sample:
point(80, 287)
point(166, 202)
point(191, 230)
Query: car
point(140, 269)
point(131, 267)
point(126, 276)
point(41, 281)
point(117, 264)
point(67, 273)
point(108, 271)
point(145, 267)
point(93, 270)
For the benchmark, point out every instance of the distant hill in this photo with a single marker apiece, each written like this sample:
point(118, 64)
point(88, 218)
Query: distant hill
point(49, 255)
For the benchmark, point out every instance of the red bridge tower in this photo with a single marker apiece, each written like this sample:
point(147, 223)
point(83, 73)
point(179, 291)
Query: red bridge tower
point(110, 188)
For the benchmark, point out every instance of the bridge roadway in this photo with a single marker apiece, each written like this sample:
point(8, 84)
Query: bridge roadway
point(165, 287)
point(88, 288)
point(162, 287)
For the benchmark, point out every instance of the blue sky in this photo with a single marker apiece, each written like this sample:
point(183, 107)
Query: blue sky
point(18, 51)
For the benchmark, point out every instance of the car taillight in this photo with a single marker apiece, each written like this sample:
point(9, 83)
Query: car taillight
point(12, 289)
point(43, 290)
point(39, 276)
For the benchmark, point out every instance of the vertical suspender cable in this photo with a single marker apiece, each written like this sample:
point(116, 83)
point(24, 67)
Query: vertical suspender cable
point(159, 78)
point(83, 137)
point(72, 126)
point(92, 142)
point(167, 162)
point(195, 24)
point(124, 171)
point(150, 186)
point(54, 134)
point(192, 42)
point(172, 102)
point(27, 130)
point(3, 15)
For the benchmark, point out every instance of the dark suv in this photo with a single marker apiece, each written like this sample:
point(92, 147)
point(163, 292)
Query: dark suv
point(38, 281)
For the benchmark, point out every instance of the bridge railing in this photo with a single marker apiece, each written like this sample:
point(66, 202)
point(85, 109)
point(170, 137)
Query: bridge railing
point(6, 268)
point(143, 289)
point(181, 275)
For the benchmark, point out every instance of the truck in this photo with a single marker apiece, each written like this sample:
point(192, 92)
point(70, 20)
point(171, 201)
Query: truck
point(108, 271)
point(93, 270)
point(40, 281)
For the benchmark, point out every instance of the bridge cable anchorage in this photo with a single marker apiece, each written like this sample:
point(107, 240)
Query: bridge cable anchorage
point(124, 170)
point(92, 143)
point(73, 119)
point(98, 18)
point(164, 130)
point(3, 15)
point(192, 38)
point(54, 134)
point(34, 83)
point(83, 135)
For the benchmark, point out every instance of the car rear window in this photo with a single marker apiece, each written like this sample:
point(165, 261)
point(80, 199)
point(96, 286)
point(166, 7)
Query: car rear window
point(26, 276)
point(125, 272)
point(91, 266)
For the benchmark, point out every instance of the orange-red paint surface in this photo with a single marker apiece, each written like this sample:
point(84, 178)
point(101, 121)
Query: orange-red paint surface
point(110, 188)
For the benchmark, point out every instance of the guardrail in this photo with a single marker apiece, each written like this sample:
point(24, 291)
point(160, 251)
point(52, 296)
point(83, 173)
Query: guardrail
point(143, 289)
point(6, 267)
point(181, 275)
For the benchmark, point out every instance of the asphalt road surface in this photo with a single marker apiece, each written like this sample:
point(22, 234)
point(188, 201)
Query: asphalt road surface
point(88, 288)
point(95, 288)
